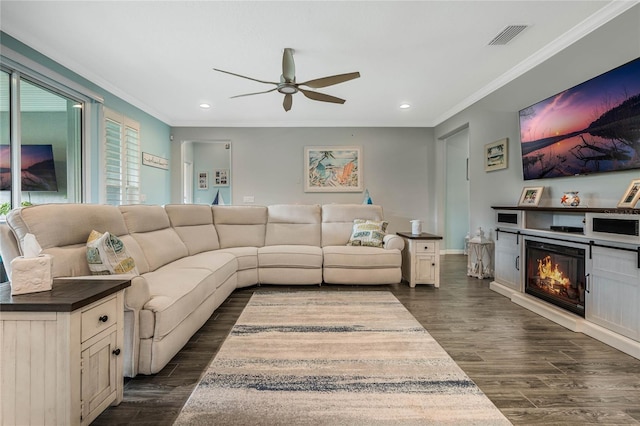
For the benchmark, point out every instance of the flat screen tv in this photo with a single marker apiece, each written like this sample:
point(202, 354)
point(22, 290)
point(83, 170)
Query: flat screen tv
point(593, 127)
point(38, 171)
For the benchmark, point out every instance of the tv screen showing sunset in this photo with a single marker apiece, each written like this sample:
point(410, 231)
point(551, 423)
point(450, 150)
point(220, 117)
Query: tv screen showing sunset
point(591, 128)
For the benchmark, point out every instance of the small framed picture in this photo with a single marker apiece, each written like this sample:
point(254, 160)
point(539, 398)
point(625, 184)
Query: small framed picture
point(221, 177)
point(203, 180)
point(495, 155)
point(531, 196)
point(631, 195)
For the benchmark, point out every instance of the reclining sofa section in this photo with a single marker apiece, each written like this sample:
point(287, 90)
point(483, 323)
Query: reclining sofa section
point(190, 258)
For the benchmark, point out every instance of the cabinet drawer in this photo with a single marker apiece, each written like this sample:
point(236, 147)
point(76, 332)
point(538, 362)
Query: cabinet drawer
point(425, 247)
point(98, 318)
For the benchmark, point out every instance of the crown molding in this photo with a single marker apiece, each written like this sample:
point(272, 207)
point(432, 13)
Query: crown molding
point(590, 24)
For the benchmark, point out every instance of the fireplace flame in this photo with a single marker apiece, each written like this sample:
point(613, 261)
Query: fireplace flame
point(547, 270)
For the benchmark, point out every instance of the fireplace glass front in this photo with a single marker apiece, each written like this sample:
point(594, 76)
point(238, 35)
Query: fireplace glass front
point(556, 274)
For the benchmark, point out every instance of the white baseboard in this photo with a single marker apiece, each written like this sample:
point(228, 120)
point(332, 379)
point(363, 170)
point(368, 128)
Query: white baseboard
point(452, 251)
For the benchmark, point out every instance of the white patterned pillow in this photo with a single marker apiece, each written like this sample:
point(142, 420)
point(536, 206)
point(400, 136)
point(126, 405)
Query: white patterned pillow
point(107, 255)
point(368, 233)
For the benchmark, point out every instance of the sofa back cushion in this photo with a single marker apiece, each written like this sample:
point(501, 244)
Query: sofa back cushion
point(194, 225)
point(337, 221)
point(293, 224)
point(151, 228)
point(240, 226)
point(62, 231)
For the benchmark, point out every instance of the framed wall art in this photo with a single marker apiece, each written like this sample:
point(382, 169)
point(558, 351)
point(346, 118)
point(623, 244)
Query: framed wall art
point(155, 161)
point(203, 180)
point(221, 177)
point(631, 195)
point(333, 169)
point(495, 155)
point(531, 196)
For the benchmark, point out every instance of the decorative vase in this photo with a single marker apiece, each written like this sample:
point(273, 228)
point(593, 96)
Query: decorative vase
point(416, 227)
point(570, 199)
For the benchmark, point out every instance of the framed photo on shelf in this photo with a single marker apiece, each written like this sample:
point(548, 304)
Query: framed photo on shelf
point(203, 180)
point(531, 196)
point(631, 195)
point(333, 169)
point(495, 155)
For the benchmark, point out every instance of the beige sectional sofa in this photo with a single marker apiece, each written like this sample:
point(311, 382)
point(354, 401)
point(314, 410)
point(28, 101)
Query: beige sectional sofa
point(190, 258)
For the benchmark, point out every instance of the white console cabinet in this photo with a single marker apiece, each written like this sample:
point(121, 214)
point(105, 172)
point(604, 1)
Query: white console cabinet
point(507, 259)
point(60, 360)
point(613, 300)
point(611, 239)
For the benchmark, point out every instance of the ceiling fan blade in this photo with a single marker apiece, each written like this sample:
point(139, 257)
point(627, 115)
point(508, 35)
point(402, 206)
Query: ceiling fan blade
point(321, 97)
point(288, 66)
point(243, 76)
point(255, 93)
point(330, 81)
point(288, 101)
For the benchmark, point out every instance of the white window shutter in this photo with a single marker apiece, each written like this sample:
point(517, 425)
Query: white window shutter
point(121, 159)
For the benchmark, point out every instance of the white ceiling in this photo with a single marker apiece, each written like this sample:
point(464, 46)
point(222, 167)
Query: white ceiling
point(434, 55)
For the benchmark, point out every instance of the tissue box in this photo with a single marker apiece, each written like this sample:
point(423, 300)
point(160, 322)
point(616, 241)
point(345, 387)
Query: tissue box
point(31, 274)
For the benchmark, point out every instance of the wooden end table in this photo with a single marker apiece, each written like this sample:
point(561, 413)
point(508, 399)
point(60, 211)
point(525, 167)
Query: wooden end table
point(61, 351)
point(421, 258)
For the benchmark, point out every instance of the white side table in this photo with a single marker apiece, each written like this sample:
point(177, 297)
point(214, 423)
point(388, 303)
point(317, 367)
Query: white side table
point(61, 362)
point(421, 258)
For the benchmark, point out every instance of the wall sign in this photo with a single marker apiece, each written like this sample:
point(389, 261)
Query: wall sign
point(155, 161)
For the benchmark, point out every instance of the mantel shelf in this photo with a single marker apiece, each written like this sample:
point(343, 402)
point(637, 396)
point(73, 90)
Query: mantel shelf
point(570, 209)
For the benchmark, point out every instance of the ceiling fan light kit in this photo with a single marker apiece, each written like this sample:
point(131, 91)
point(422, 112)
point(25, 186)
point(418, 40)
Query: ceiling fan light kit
point(288, 86)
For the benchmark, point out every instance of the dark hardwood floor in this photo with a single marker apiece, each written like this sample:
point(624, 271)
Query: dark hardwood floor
point(534, 371)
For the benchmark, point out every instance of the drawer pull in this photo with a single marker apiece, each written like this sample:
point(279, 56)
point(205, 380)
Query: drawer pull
point(103, 318)
point(116, 352)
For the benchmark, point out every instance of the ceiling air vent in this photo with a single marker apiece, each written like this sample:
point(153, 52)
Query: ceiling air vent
point(507, 35)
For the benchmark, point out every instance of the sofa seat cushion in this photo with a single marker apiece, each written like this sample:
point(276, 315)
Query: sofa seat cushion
point(290, 256)
point(176, 292)
point(247, 256)
point(361, 257)
point(214, 261)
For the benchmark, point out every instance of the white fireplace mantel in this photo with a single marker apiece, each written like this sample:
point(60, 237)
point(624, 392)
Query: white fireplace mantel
point(612, 268)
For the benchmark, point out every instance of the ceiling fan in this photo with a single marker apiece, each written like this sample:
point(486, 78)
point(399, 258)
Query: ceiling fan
point(288, 86)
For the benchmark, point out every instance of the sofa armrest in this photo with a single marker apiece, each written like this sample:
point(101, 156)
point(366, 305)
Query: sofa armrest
point(393, 241)
point(138, 294)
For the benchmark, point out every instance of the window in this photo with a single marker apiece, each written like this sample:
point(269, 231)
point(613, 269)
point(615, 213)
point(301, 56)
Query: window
point(121, 159)
point(40, 142)
point(5, 144)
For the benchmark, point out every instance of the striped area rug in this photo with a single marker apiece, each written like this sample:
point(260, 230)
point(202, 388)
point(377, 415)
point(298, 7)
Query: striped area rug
point(334, 358)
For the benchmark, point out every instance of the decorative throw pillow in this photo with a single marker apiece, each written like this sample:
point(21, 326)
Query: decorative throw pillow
point(367, 233)
point(107, 255)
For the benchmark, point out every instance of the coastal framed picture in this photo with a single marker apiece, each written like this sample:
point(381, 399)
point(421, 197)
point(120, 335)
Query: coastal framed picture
point(333, 169)
point(203, 180)
point(531, 196)
point(495, 155)
point(631, 195)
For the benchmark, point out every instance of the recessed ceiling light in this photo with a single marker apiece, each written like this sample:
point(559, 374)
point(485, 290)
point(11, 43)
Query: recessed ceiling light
point(405, 106)
point(205, 106)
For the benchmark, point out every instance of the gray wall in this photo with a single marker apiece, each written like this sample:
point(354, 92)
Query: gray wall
point(405, 167)
point(496, 117)
point(267, 163)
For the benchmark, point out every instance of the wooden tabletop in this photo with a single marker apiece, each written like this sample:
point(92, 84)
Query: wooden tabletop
point(66, 295)
point(420, 236)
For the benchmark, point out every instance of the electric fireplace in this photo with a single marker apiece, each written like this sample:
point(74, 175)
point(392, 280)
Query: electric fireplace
point(556, 273)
